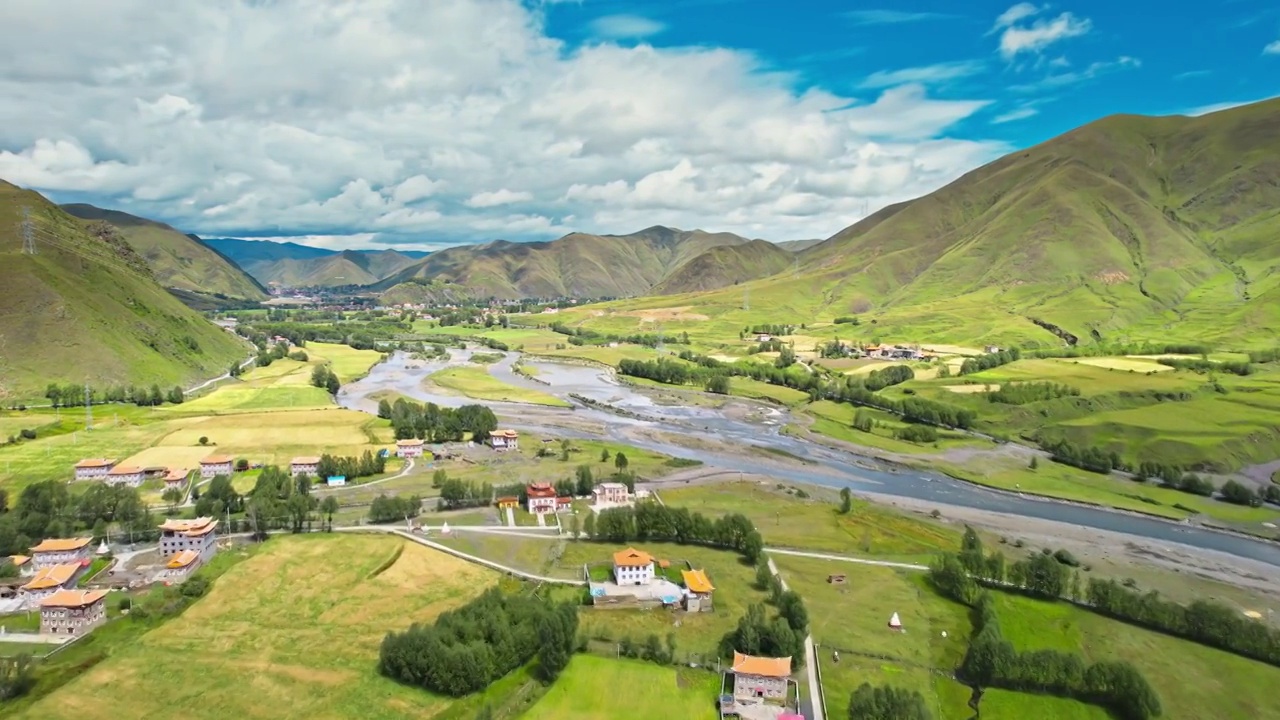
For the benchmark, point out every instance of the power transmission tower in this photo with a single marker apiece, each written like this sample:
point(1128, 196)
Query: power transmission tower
point(28, 230)
point(88, 408)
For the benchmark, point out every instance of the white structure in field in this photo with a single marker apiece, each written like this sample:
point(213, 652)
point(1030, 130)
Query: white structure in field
point(504, 440)
point(632, 567)
point(610, 494)
point(126, 475)
point(760, 677)
point(215, 465)
point(199, 535)
point(94, 468)
point(410, 448)
point(304, 466)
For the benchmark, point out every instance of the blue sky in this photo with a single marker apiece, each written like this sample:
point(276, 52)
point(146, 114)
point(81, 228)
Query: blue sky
point(419, 125)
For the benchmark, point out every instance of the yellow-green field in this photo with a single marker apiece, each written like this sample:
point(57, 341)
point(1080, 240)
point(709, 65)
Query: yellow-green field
point(346, 362)
point(292, 632)
point(477, 383)
point(594, 688)
point(835, 420)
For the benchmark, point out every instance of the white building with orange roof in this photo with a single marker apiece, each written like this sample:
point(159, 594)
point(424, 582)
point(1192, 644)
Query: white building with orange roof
point(410, 448)
point(94, 468)
point(126, 475)
point(304, 465)
point(26, 568)
point(199, 535)
point(175, 477)
point(73, 612)
point(760, 677)
point(51, 579)
point(181, 565)
point(504, 440)
point(632, 567)
point(56, 551)
point(216, 465)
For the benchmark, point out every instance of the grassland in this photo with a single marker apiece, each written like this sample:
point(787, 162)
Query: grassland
point(852, 619)
point(277, 639)
point(477, 383)
point(346, 362)
point(1193, 681)
point(815, 523)
point(756, 390)
point(835, 421)
point(592, 688)
point(1005, 705)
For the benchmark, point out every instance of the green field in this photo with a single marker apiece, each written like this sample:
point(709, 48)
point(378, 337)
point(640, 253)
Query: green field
point(1193, 681)
point(477, 383)
point(346, 362)
point(593, 688)
point(1005, 705)
point(815, 524)
point(835, 421)
point(305, 642)
point(754, 389)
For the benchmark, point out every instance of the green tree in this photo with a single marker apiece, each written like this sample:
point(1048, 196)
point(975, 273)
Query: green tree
point(204, 440)
point(887, 703)
point(604, 454)
point(173, 496)
point(439, 478)
point(584, 480)
point(553, 648)
point(1035, 462)
point(620, 461)
point(564, 450)
point(329, 506)
point(846, 501)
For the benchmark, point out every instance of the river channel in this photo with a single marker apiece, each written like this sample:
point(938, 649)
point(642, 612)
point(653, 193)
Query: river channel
point(824, 466)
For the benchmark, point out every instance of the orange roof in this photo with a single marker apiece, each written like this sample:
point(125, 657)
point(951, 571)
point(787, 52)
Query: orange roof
point(182, 559)
point(540, 490)
point(306, 461)
point(19, 560)
point(632, 557)
point(95, 462)
point(190, 528)
point(61, 544)
point(508, 499)
point(52, 576)
point(506, 433)
point(763, 666)
point(696, 581)
point(176, 474)
point(217, 460)
point(124, 470)
point(411, 442)
point(73, 598)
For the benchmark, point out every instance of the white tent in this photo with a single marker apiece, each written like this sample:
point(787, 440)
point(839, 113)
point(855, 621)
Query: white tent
point(895, 622)
point(103, 549)
point(445, 530)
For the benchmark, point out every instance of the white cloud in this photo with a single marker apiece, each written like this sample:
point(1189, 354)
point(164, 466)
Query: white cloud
point(498, 197)
point(891, 17)
point(1021, 11)
point(1021, 113)
point(626, 26)
point(1017, 39)
point(1272, 48)
point(1217, 107)
point(941, 72)
point(1093, 70)
point(428, 122)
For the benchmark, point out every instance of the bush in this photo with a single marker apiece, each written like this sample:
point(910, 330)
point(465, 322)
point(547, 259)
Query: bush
point(1066, 558)
point(195, 586)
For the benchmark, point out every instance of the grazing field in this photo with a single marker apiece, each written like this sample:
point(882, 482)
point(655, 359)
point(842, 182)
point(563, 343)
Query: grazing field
point(835, 420)
point(852, 619)
point(815, 523)
point(272, 437)
point(13, 649)
point(1141, 365)
point(477, 383)
point(117, 432)
point(346, 362)
point(1006, 705)
point(1193, 681)
point(523, 553)
point(292, 632)
point(282, 384)
point(754, 389)
point(594, 688)
point(697, 634)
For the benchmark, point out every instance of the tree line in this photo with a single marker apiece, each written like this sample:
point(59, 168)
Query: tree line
point(394, 508)
point(72, 395)
point(435, 424)
point(652, 522)
point(49, 509)
point(756, 634)
point(989, 360)
point(468, 648)
point(887, 703)
point(1202, 365)
point(1029, 392)
point(877, 380)
point(350, 467)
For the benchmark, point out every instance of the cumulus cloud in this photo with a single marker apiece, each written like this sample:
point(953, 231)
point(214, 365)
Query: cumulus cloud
point(430, 123)
point(1019, 36)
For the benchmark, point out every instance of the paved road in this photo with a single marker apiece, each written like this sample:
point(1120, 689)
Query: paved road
point(33, 638)
point(814, 700)
point(325, 490)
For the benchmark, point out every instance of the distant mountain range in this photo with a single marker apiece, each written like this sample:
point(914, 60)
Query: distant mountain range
point(293, 265)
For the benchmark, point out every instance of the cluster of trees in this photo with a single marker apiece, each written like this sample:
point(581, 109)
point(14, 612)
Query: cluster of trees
point(219, 499)
point(992, 661)
point(394, 508)
point(772, 329)
point(1092, 459)
point(848, 320)
point(771, 345)
point(651, 522)
point(1104, 349)
point(586, 336)
point(455, 493)
point(924, 434)
point(718, 384)
point(877, 380)
point(1201, 365)
point(433, 423)
point(351, 467)
point(1240, 494)
point(468, 648)
point(887, 703)
point(989, 360)
point(912, 409)
point(49, 509)
point(75, 395)
point(651, 649)
point(1203, 621)
point(863, 421)
point(368, 336)
point(323, 377)
point(278, 501)
point(17, 677)
point(755, 634)
point(1264, 356)
point(1023, 393)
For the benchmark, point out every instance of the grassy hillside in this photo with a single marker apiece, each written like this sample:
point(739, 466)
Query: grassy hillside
point(1130, 228)
point(577, 265)
point(349, 267)
point(86, 308)
point(177, 260)
point(724, 266)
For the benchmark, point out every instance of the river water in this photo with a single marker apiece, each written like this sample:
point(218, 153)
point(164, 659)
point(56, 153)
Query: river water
point(826, 466)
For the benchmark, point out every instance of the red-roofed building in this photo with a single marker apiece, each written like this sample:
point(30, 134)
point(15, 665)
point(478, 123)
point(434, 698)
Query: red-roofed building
point(94, 468)
point(542, 498)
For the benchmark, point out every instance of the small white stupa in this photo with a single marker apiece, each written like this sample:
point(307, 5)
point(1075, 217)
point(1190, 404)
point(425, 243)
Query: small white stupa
point(445, 530)
point(895, 622)
point(103, 549)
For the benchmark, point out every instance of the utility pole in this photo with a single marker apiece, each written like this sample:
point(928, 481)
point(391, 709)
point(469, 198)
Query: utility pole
point(88, 408)
point(28, 230)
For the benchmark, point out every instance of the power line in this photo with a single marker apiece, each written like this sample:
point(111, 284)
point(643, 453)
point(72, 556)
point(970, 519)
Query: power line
point(27, 228)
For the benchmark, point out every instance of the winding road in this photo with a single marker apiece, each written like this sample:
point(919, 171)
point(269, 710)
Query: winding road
point(717, 438)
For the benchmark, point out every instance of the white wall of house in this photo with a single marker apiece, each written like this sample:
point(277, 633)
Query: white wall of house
point(172, 543)
point(58, 557)
point(92, 473)
point(750, 686)
point(208, 471)
point(542, 505)
point(72, 621)
point(629, 575)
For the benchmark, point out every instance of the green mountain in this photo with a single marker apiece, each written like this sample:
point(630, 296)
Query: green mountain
point(87, 308)
point(1129, 228)
point(177, 260)
point(348, 267)
point(576, 265)
point(724, 266)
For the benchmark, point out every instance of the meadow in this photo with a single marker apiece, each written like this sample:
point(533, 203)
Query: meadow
point(477, 383)
point(592, 688)
point(276, 639)
point(346, 362)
